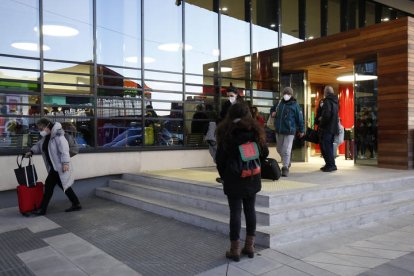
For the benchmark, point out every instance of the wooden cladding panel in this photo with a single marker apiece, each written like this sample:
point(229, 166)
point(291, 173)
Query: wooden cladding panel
point(392, 44)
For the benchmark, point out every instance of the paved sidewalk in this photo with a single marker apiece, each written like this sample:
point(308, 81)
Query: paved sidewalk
point(107, 238)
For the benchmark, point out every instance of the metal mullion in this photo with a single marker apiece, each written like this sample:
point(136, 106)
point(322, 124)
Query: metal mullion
point(143, 72)
point(183, 71)
point(41, 77)
point(95, 79)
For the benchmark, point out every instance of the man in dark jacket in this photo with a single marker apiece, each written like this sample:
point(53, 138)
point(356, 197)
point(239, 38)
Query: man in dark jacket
point(328, 128)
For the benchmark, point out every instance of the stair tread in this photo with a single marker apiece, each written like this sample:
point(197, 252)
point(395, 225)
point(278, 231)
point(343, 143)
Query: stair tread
point(175, 206)
point(343, 215)
point(338, 199)
point(169, 191)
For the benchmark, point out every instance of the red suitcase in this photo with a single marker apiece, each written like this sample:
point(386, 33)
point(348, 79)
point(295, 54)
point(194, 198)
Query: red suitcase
point(29, 198)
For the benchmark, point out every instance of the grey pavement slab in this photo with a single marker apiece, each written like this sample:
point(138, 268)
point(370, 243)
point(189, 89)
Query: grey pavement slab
point(47, 261)
point(258, 265)
point(227, 269)
point(337, 269)
point(405, 262)
point(285, 271)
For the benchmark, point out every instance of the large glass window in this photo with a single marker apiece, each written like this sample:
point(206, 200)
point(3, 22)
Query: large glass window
point(19, 20)
point(68, 29)
point(313, 19)
point(118, 33)
point(334, 16)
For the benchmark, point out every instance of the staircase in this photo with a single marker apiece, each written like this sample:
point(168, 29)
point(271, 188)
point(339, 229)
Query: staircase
point(282, 217)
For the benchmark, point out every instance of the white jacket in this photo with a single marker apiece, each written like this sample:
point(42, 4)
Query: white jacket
point(59, 154)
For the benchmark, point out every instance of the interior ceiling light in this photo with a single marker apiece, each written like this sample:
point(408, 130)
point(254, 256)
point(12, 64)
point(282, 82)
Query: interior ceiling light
point(134, 59)
point(174, 47)
point(247, 59)
point(275, 64)
point(350, 78)
point(272, 25)
point(58, 30)
point(222, 69)
point(29, 46)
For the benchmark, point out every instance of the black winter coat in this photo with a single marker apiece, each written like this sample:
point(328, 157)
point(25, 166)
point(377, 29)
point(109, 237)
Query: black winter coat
point(329, 115)
point(236, 186)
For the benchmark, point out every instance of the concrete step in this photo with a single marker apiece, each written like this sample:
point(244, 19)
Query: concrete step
point(186, 186)
point(282, 217)
point(195, 216)
point(217, 204)
point(317, 193)
point(323, 207)
point(311, 228)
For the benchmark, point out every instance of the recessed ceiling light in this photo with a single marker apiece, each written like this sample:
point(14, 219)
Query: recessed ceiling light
point(29, 46)
point(275, 64)
point(224, 9)
point(174, 47)
point(58, 30)
point(222, 69)
point(272, 25)
point(350, 78)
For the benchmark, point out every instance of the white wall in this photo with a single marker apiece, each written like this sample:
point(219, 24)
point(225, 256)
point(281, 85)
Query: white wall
point(98, 164)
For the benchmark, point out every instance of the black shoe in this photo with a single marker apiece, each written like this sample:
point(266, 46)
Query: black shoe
point(39, 212)
point(219, 180)
point(322, 168)
point(285, 171)
point(329, 169)
point(74, 208)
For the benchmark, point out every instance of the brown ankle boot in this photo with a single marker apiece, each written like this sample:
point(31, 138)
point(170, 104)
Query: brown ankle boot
point(234, 252)
point(249, 247)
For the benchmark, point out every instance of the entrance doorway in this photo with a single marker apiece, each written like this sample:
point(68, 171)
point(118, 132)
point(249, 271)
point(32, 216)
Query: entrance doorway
point(356, 87)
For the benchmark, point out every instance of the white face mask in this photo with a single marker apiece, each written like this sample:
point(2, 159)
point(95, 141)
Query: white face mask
point(232, 99)
point(43, 133)
point(286, 97)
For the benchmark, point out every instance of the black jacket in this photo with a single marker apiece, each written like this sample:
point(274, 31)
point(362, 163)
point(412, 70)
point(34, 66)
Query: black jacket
point(328, 122)
point(227, 153)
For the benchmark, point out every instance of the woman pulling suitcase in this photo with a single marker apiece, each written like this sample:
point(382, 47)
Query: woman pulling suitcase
point(55, 151)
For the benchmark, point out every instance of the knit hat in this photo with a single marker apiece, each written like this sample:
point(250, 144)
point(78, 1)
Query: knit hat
point(288, 90)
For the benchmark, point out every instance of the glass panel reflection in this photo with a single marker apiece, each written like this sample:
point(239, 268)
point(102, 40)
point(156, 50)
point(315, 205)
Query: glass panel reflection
point(21, 17)
point(119, 33)
point(68, 29)
point(163, 35)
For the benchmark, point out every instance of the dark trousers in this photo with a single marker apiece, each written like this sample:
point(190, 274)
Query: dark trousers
point(235, 204)
point(51, 180)
point(326, 143)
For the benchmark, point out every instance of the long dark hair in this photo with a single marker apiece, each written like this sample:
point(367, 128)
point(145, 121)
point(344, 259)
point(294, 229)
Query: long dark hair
point(239, 117)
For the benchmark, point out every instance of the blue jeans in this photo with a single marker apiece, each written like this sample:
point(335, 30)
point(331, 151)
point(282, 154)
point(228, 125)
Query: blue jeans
point(326, 143)
point(235, 204)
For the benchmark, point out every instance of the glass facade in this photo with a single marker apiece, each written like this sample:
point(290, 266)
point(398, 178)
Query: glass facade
point(136, 74)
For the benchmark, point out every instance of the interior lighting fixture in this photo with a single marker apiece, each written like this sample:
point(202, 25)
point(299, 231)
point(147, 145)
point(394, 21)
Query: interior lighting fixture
point(222, 69)
point(272, 25)
point(275, 64)
point(224, 9)
point(29, 46)
point(247, 59)
point(174, 47)
point(350, 78)
point(58, 30)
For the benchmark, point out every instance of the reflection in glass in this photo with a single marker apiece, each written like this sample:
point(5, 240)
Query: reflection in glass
point(19, 18)
point(119, 33)
point(365, 130)
point(204, 47)
point(163, 27)
point(334, 16)
point(69, 15)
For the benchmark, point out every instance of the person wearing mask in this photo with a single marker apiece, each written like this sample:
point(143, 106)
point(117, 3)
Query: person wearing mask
point(288, 122)
point(256, 115)
point(238, 128)
point(55, 151)
point(328, 128)
point(233, 97)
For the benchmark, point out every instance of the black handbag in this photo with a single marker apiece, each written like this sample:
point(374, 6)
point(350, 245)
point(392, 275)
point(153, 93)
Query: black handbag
point(312, 136)
point(25, 175)
point(270, 169)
